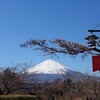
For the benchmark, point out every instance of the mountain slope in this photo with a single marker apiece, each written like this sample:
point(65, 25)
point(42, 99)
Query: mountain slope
point(48, 67)
point(51, 70)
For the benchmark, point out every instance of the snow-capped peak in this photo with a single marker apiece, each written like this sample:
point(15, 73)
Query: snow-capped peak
point(48, 67)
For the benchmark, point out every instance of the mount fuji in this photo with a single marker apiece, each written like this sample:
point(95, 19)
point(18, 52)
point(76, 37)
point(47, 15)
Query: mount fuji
point(48, 67)
point(51, 70)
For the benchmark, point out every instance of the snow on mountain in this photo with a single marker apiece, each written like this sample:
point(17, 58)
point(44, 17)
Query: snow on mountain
point(48, 67)
point(51, 70)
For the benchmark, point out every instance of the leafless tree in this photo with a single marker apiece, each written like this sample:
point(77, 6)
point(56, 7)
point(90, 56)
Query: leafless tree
point(12, 79)
point(88, 86)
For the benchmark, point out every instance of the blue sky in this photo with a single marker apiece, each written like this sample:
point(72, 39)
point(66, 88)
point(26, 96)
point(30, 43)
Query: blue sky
point(21, 20)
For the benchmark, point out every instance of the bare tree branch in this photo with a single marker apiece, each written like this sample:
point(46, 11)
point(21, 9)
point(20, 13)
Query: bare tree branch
point(56, 46)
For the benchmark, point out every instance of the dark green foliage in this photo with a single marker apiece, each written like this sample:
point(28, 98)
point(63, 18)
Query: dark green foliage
point(18, 97)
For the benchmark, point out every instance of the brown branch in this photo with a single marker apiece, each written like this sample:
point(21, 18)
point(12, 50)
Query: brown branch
point(56, 46)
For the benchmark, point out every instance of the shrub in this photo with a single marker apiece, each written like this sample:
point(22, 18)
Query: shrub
point(17, 97)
